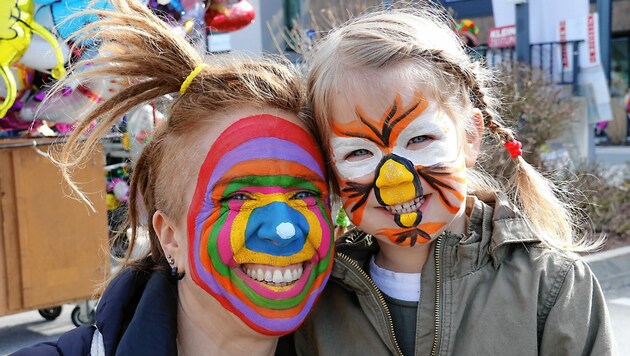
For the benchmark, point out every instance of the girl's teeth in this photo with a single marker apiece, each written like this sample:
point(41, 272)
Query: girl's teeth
point(406, 207)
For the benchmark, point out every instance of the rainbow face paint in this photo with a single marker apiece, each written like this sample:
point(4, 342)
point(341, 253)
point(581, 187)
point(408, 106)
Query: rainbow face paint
point(259, 226)
point(402, 175)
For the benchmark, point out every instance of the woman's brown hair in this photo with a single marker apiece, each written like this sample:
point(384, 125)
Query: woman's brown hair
point(141, 50)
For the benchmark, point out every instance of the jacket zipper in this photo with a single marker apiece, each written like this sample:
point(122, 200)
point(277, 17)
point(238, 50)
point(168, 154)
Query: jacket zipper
point(438, 296)
point(378, 294)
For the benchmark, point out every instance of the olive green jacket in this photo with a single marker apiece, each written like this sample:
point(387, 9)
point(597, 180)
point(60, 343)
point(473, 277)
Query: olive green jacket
point(496, 292)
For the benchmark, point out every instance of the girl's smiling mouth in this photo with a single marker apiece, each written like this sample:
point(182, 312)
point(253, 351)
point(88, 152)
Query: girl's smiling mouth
point(411, 206)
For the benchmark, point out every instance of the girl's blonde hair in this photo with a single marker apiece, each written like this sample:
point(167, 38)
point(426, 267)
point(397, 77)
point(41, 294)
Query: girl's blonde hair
point(421, 44)
point(143, 52)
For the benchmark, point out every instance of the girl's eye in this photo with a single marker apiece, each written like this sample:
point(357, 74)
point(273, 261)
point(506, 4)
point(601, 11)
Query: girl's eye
point(417, 140)
point(357, 155)
point(303, 195)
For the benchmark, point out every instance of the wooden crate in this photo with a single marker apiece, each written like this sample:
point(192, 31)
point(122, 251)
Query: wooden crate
point(53, 248)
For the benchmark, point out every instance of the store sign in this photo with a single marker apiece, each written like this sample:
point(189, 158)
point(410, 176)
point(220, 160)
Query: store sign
point(502, 37)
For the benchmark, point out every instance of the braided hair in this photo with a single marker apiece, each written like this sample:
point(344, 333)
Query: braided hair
point(421, 44)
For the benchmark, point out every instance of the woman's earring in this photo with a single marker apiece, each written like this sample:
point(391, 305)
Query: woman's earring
point(174, 273)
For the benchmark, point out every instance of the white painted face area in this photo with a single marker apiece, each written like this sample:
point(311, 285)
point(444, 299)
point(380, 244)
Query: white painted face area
point(399, 162)
point(428, 140)
point(355, 157)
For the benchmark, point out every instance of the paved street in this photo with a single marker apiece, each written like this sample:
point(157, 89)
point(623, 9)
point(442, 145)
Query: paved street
point(23, 329)
point(28, 328)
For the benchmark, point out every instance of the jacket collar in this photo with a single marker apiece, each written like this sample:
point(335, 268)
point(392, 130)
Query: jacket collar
point(138, 313)
point(494, 226)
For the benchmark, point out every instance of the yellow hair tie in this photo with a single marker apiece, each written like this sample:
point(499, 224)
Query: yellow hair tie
point(190, 78)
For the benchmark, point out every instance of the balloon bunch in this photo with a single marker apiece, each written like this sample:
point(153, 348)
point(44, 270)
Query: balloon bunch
point(36, 46)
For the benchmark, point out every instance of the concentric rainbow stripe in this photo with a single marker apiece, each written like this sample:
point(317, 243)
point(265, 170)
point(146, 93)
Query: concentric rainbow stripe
point(270, 159)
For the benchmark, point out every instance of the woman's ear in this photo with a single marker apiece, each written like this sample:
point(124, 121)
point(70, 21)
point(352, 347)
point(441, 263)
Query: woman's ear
point(166, 231)
point(474, 139)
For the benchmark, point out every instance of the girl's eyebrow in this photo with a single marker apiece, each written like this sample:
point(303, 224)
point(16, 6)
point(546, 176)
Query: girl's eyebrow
point(395, 119)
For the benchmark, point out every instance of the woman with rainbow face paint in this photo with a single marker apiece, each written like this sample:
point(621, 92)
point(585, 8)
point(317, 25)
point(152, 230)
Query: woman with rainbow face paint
point(259, 224)
point(231, 189)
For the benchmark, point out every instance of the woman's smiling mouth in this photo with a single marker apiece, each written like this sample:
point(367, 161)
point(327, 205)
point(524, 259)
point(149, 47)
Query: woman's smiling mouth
point(273, 275)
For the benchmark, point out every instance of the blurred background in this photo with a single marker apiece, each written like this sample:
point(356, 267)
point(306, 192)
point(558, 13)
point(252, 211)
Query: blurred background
point(563, 70)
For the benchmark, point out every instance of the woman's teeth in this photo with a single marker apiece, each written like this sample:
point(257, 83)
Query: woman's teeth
point(407, 207)
point(274, 276)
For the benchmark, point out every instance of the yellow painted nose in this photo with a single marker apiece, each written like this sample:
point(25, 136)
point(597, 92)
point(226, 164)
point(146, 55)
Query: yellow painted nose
point(395, 183)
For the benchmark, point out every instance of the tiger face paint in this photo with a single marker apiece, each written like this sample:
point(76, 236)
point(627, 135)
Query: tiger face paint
point(399, 166)
point(259, 226)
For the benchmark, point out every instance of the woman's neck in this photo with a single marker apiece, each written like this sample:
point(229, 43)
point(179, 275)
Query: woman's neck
point(206, 328)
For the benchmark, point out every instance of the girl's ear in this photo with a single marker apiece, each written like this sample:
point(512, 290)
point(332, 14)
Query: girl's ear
point(474, 139)
point(166, 231)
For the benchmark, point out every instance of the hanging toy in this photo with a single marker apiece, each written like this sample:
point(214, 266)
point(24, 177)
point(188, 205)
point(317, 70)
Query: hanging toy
point(16, 30)
point(226, 16)
point(120, 189)
point(468, 31)
point(167, 10)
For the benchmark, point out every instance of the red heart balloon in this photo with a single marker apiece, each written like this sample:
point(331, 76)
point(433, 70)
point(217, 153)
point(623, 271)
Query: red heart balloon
point(226, 16)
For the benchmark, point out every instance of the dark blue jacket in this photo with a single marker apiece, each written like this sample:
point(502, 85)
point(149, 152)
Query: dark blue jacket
point(137, 315)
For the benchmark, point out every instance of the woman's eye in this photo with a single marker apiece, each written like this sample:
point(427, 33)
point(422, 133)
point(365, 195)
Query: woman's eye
point(238, 196)
point(358, 155)
point(303, 195)
point(417, 140)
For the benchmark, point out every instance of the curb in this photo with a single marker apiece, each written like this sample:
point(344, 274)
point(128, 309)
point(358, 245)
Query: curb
point(611, 267)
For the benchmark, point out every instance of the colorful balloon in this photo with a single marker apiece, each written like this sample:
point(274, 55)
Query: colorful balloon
point(17, 26)
point(70, 104)
point(23, 77)
point(60, 14)
point(41, 56)
point(226, 16)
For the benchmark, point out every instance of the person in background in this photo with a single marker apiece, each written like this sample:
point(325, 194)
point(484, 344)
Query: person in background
point(234, 191)
point(444, 260)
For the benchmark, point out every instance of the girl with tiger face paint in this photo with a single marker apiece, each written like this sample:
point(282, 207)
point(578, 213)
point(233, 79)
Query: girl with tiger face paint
point(400, 164)
point(443, 259)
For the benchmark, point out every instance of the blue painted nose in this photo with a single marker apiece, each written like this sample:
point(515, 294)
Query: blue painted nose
point(276, 229)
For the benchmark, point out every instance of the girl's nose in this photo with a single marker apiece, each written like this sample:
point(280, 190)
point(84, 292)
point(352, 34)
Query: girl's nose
point(396, 181)
point(276, 229)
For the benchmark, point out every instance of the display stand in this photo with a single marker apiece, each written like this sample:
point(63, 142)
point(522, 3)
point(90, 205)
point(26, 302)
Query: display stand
point(53, 248)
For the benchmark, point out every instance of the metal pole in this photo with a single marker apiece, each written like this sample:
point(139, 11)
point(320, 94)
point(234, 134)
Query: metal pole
point(576, 67)
point(522, 33)
point(604, 11)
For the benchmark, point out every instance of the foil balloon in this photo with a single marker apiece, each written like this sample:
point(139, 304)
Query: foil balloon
point(23, 77)
point(17, 26)
point(41, 56)
point(226, 16)
point(72, 103)
point(61, 15)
